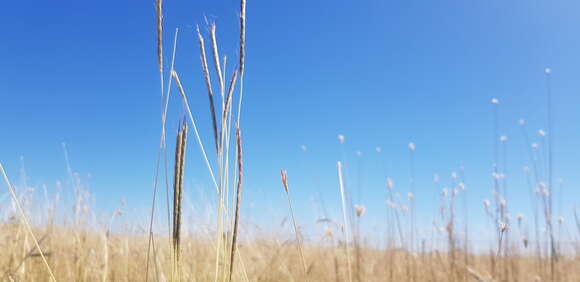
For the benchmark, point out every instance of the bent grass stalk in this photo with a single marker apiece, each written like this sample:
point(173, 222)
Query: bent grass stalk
point(195, 131)
point(25, 220)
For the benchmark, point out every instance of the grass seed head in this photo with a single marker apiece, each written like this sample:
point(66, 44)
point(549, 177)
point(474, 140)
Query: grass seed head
point(284, 176)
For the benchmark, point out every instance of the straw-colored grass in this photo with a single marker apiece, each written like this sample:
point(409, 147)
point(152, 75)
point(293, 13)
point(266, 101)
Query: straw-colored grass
point(226, 251)
point(265, 260)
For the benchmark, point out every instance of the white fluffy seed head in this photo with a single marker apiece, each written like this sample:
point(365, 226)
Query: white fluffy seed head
point(390, 183)
point(341, 139)
point(546, 193)
point(360, 210)
point(503, 226)
point(498, 176)
point(503, 138)
point(542, 132)
point(495, 101)
point(503, 202)
point(486, 203)
point(328, 232)
point(548, 70)
point(412, 146)
point(522, 122)
point(404, 209)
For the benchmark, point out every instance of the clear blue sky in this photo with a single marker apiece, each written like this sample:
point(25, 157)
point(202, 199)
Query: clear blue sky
point(383, 73)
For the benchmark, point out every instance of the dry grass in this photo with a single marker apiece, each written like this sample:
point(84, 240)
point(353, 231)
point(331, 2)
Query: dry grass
point(265, 261)
point(83, 252)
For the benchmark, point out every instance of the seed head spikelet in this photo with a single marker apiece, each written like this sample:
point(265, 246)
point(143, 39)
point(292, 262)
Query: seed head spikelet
point(284, 177)
point(206, 75)
point(238, 200)
point(159, 10)
point(216, 58)
point(242, 56)
point(242, 35)
point(180, 147)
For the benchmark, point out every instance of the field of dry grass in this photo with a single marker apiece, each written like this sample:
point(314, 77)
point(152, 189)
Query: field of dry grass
point(77, 251)
point(91, 256)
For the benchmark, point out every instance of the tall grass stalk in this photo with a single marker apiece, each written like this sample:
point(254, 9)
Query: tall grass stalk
point(532, 182)
point(159, 19)
point(553, 252)
point(345, 220)
point(238, 201)
point(411, 196)
point(284, 176)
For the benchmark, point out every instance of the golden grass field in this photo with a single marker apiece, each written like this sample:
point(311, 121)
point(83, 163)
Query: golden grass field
point(92, 256)
point(46, 251)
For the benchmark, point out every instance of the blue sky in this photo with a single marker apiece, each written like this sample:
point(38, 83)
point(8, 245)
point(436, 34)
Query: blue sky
point(383, 73)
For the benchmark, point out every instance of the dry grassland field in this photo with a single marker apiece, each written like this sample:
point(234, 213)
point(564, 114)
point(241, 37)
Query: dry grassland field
point(426, 230)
